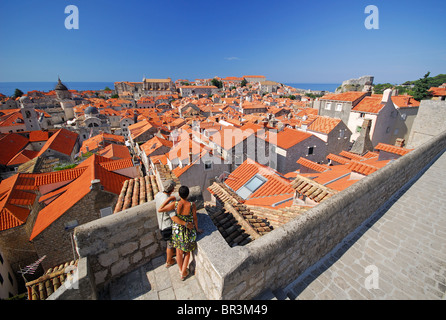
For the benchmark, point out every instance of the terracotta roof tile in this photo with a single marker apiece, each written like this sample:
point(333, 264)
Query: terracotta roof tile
point(312, 189)
point(392, 149)
point(10, 145)
point(312, 165)
point(136, 191)
point(22, 157)
point(369, 105)
point(361, 167)
point(38, 135)
point(338, 159)
point(44, 286)
point(78, 188)
point(324, 124)
point(286, 138)
point(115, 151)
point(350, 96)
point(16, 196)
point(62, 141)
point(405, 101)
point(437, 91)
point(352, 156)
point(117, 164)
point(231, 202)
point(59, 176)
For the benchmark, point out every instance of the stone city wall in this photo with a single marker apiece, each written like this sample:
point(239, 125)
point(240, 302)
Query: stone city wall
point(118, 244)
point(123, 241)
point(279, 257)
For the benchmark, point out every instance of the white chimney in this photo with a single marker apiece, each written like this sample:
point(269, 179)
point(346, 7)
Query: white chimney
point(386, 95)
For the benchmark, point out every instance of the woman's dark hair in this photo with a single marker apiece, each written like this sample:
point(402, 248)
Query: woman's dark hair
point(183, 192)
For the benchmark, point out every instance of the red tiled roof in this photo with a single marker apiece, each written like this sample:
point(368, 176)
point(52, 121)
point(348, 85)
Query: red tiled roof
point(159, 159)
point(115, 151)
point(117, 164)
point(351, 155)
point(15, 200)
point(59, 176)
point(392, 149)
point(437, 91)
point(405, 101)
point(370, 105)
point(77, 189)
point(228, 137)
point(287, 137)
point(341, 184)
point(155, 143)
point(38, 135)
point(324, 124)
point(139, 128)
point(22, 157)
point(275, 185)
point(62, 141)
point(350, 96)
point(99, 140)
point(361, 167)
point(312, 165)
point(10, 145)
point(338, 159)
point(11, 118)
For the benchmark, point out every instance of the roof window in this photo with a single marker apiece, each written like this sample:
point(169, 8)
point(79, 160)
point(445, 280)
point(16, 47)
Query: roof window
point(251, 186)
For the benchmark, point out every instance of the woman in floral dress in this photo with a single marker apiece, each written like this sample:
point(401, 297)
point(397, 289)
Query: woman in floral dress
point(184, 228)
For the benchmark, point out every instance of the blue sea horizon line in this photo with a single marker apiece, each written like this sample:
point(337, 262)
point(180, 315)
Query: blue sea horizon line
point(8, 88)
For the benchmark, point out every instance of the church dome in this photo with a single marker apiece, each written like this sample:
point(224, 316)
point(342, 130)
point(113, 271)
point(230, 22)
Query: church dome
point(91, 110)
point(60, 86)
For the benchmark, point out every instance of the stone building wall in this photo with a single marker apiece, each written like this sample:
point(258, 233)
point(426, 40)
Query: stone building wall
point(56, 241)
point(429, 122)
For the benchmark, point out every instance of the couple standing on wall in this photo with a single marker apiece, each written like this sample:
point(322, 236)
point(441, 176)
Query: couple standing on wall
point(178, 225)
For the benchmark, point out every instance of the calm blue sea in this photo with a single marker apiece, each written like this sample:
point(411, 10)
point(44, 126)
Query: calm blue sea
point(331, 87)
point(8, 88)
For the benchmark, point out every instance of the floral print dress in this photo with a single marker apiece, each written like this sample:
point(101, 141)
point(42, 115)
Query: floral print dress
point(182, 237)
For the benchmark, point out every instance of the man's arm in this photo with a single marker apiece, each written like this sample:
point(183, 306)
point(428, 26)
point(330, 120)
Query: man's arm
point(168, 205)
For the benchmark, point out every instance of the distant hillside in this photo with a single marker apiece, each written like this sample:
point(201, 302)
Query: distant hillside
point(436, 81)
point(416, 88)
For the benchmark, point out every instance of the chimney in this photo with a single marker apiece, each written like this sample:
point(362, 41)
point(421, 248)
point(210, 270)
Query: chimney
point(399, 142)
point(386, 95)
point(363, 142)
point(96, 185)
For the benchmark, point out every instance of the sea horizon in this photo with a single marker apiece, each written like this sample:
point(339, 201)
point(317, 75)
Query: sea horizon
point(8, 88)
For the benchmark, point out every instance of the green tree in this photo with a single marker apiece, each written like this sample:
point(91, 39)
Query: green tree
point(115, 96)
point(17, 93)
point(244, 83)
point(107, 89)
point(217, 83)
point(421, 89)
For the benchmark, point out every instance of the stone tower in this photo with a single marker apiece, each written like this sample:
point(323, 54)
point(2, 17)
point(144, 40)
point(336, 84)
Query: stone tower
point(30, 116)
point(62, 92)
point(64, 97)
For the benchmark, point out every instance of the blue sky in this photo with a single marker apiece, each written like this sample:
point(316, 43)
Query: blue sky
point(287, 41)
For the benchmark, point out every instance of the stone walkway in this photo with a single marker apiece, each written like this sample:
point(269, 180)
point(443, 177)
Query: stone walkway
point(153, 281)
point(400, 253)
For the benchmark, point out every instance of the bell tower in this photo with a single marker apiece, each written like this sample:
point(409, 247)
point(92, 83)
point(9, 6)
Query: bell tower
point(30, 116)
